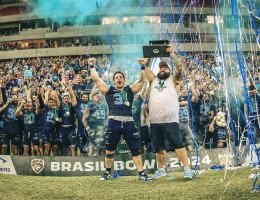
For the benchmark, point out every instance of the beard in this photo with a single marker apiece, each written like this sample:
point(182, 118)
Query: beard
point(15, 102)
point(164, 75)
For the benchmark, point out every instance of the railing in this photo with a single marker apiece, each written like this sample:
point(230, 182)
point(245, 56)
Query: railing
point(105, 49)
point(12, 10)
point(114, 29)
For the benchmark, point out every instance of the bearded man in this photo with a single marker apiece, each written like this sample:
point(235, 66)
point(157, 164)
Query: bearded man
point(164, 113)
point(11, 127)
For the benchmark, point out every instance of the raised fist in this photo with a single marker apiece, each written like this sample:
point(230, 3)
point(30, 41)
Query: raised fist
point(143, 61)
point(92, 61)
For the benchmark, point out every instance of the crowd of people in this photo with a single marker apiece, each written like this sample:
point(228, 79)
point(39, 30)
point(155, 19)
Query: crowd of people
point(52, 106)
point(48, 43)
point(85, 41)
point(9, 46)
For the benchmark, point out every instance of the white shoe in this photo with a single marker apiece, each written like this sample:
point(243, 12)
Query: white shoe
point(187, 173)
point(159, 173)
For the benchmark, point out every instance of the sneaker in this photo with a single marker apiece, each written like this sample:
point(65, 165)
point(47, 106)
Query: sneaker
point(189, 148)
point(159, 173)
point(106, 176)
point(144, 177)
point(187, 173)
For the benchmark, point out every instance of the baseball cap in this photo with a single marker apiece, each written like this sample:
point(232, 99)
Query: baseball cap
point(164, 63)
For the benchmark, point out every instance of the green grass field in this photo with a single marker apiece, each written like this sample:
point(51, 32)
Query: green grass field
point(208, 185)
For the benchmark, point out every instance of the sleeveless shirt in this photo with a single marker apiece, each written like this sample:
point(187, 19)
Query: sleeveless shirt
point(164, 102)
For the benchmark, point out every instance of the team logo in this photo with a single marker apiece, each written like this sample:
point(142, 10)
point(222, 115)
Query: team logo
point(2, 161)
point(156, 51)
point(37, 165)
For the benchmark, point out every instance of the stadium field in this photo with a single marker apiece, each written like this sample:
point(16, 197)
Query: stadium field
point(208, 185)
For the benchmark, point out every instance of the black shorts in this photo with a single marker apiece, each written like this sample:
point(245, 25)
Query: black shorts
point(166, 132)
point(68, 136)
point(145, 135)
point(127, 129)
point(15, 138)
point(1, 137)
point(30, 136)
point(82, 139)
point(50, 136)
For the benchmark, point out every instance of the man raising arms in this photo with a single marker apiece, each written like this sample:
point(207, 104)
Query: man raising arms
point(164, 113)
point(119, 99)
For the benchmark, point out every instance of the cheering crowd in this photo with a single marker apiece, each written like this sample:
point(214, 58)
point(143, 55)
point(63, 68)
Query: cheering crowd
point(52, 106)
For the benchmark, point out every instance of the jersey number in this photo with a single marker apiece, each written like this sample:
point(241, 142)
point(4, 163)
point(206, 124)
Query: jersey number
point(118, 99)
point(50, 117)
point(11, 114)
point(29, 118)
point(184, 114)
point(101, 114)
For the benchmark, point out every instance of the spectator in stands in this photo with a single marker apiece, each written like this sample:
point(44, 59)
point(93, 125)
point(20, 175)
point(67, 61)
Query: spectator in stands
point(185, 113)
point(207, 112)
point(252, 110)
point(218, 129)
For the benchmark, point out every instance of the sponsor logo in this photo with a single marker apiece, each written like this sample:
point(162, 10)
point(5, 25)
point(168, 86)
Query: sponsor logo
point(2, 161)
point(6, 165)
point(37, 165)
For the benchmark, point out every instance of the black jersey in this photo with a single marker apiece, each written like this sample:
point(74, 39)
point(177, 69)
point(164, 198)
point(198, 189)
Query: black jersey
point(29, 119)
point(11, 122)
point(81, 106)
point(66, 113)
point(120, 102)
point(49, 118)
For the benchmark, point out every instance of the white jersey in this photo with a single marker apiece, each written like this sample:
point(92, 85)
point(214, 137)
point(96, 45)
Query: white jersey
point(163, 102)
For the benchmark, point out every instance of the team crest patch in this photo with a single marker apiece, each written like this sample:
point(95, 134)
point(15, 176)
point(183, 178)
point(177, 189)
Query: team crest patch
point(37, 165)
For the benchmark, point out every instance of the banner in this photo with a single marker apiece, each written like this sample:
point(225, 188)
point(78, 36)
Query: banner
point(27, 73)
point(123, 164)
point(6, 165)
